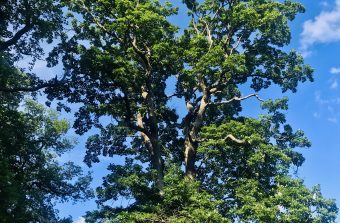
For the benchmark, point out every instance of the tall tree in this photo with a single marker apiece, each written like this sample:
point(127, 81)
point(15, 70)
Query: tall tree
point(122, 60)
point(127, 56)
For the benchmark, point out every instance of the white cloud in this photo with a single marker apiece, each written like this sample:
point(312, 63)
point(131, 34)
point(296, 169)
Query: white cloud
point(324, 28)
point(335, 70)
point(334, 84)
point(80, 220)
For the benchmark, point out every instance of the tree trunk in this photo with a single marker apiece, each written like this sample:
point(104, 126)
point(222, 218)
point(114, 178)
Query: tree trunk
point(152, 139)
point(157, 164)
point(190, 157)
point(191, 137)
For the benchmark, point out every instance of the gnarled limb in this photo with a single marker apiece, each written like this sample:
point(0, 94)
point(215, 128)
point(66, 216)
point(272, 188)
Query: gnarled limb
point(234, 139)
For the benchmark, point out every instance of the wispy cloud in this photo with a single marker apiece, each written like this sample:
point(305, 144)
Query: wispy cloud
point(324, 4)
point(321, 101)
point(335, 70)
point(328, 108)
point(316, 115)
point(333, 120)
point(334, 84)
point(324, 28)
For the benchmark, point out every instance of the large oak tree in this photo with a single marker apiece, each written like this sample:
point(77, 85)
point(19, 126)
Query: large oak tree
point(122, 60)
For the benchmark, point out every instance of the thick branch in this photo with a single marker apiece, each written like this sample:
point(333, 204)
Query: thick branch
point(194, 25)
point(218, 85)
point(135, 47)
point(5, 45)
point(128, 117)
point(144, 55)
point(191, 142)
point(52, 83)
point(145, 137)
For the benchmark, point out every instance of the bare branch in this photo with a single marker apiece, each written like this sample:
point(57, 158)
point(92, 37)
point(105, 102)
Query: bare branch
point(237, 99)
point(145, 136)
point(237, 45)
point(129, 115)
point(209, 35)
point(173, 95)
point(135, 47)
point(228, 40)
point(228, 137)
point(194, 25)
point(222, 82)
point(217, 11)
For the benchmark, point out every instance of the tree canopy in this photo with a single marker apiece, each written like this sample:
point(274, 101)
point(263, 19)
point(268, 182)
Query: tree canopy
point(201, 160)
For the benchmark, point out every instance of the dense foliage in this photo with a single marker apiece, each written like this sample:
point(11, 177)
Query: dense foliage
point(199, 160)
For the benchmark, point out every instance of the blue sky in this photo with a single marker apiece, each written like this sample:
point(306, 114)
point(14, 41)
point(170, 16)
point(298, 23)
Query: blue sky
point(315, 108)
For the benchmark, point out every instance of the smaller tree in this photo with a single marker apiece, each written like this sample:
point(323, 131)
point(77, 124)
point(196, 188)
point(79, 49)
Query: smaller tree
point(31, 140)
point(31, 137)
